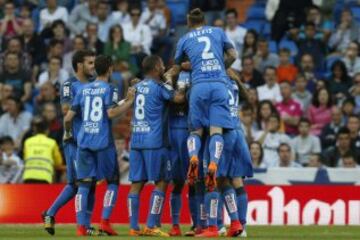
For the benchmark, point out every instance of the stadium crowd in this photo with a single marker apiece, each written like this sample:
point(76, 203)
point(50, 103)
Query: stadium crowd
point(303, 77)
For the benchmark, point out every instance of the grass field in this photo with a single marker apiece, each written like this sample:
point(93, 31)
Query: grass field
point(8, 232)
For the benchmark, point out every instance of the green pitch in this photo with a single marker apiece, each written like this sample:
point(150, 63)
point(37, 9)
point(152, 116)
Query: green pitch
point(9, 232)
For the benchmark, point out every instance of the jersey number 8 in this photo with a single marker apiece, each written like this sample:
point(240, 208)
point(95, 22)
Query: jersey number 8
point(96, 111)
point(139, 107)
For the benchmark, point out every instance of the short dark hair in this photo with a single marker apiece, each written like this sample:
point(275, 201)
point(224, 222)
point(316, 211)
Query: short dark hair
point(284, 145)
point(247, 107)
point(353, 116)
point(342, 131)
point(39, 124)
point(231, 11)
point(310, 24)
point(196, 16)
point(269, 68)
point(149, 63)
point(349, 155)
point(6, 139)
point(57, 58)
point(54, 42)
point(304, 120)
point(103, 64)
point(80, 56)
point(350, 100)
point(284, 50)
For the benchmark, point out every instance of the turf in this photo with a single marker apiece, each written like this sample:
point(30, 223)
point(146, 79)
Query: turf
point(264, 233)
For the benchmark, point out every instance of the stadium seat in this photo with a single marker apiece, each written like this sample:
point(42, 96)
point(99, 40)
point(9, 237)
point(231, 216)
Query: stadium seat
point(356, 13)
point(330, 61)
point(179, 9)
point(256, 13)
point(289, 45)
point(257, 25)
point(273, 47)
point(260, 3)
point(266, 31)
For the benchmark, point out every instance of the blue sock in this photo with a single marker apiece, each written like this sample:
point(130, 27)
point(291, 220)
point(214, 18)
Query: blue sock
point(194, 144)
point(193, 206)
point(175, 203)
point(156, 205)
point(216, 145)
point(242, 203)
point(90, 206)
point(229, 197)
point(220, 219)
point(109, 200)
point(211, 207)
point(200, 205)
point(133, 207)
point(65, 196)
point(81, 202)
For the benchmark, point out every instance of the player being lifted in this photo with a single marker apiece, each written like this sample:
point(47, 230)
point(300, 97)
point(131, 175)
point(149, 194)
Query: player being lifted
point(96, 155)
point(149, 155)
point(205, 46)
point(83, 65)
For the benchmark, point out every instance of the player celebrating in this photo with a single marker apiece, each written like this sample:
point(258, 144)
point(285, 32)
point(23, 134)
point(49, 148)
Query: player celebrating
point(95, 142)
point(149, 157)
point(83, 65)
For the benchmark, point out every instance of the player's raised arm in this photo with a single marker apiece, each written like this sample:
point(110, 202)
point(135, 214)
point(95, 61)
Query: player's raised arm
point(123, 105)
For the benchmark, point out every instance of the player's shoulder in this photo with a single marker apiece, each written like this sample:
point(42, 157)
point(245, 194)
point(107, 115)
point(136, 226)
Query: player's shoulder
point(69, 82)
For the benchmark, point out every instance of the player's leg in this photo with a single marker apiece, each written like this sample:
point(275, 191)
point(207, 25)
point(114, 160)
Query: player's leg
point(67, 193)
point(241, 199)
point(137, 177)
point(91, 205)
point(175, 203)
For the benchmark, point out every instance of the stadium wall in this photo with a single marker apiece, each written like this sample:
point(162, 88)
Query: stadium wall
point(268, 205)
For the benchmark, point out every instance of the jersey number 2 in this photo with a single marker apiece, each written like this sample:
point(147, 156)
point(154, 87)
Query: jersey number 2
point(96, 111)
point(206, 54)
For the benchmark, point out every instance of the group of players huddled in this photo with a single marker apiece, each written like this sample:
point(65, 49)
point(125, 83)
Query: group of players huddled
point(185, 128)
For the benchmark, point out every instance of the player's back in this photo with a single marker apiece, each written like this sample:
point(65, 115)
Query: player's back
point(149, 120)
point(205, 47)
point(92, 102)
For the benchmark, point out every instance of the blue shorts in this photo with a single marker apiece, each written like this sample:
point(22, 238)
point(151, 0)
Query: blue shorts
point(209, 106)
point(108, 167)
point(70, 149)
point(179, 154)
point(150, 165)
point(241, 163)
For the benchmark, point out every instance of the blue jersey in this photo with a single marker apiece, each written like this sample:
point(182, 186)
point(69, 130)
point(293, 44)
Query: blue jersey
point(149, 120)
point(205, 47)
point(178, 113)
point(234, 103)
point(92, 103)
point(69, 89)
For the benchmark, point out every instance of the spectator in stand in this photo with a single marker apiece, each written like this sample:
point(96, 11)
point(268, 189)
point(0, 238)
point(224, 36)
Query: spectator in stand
point(339, 81)
point(346, 32)
point(307, 68)
point(247, 122)
point(78, 43)
point(119, 49)
point(323, 27)
point(348, 161)
point(251, 77)
point(41, 155)
point(7, 91)
point(162, 6)
point(14, 45)
point(263, 57)
point(334, 154)
point(81, 15)
point(305, 144)
point(253, 100)
point(60, 33)
point(121, 15)
point(234, 31)
point(270, 139)
point(105, 21)
point(286, 71)
point(32, 44)
point(15, 122)
point(315, 160)
point(353, 125)
point(289, 110)
point(330, 130)
point(55, 49)
point(300, 94)
point(51, 117)
point(154, 18)
point(352, 59)
point(51, 13)
point(355, 92)
point(310, 45)
point(9, 155)
point(319, 112)
point(55, 74)
point(285, 158)
point(138, 35)
point(48, 94)
point(257, 155)
point(10, 25)
point(250, 43)
point(271, 89)
point(93, 42)
point(348, 107)
point(265, 110)
point(25, 11)
point(220, 23)
point(123, 155)
point(14, 75)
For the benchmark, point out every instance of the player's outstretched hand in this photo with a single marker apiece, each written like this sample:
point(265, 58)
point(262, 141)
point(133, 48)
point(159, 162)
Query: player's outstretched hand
point(130, 96)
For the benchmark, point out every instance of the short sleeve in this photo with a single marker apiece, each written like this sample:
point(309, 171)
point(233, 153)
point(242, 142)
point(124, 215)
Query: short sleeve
point(65, 93)
point(226, 41)
point(166, 92)
point(111, 97)
point(179, 54)
point(76, 103)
